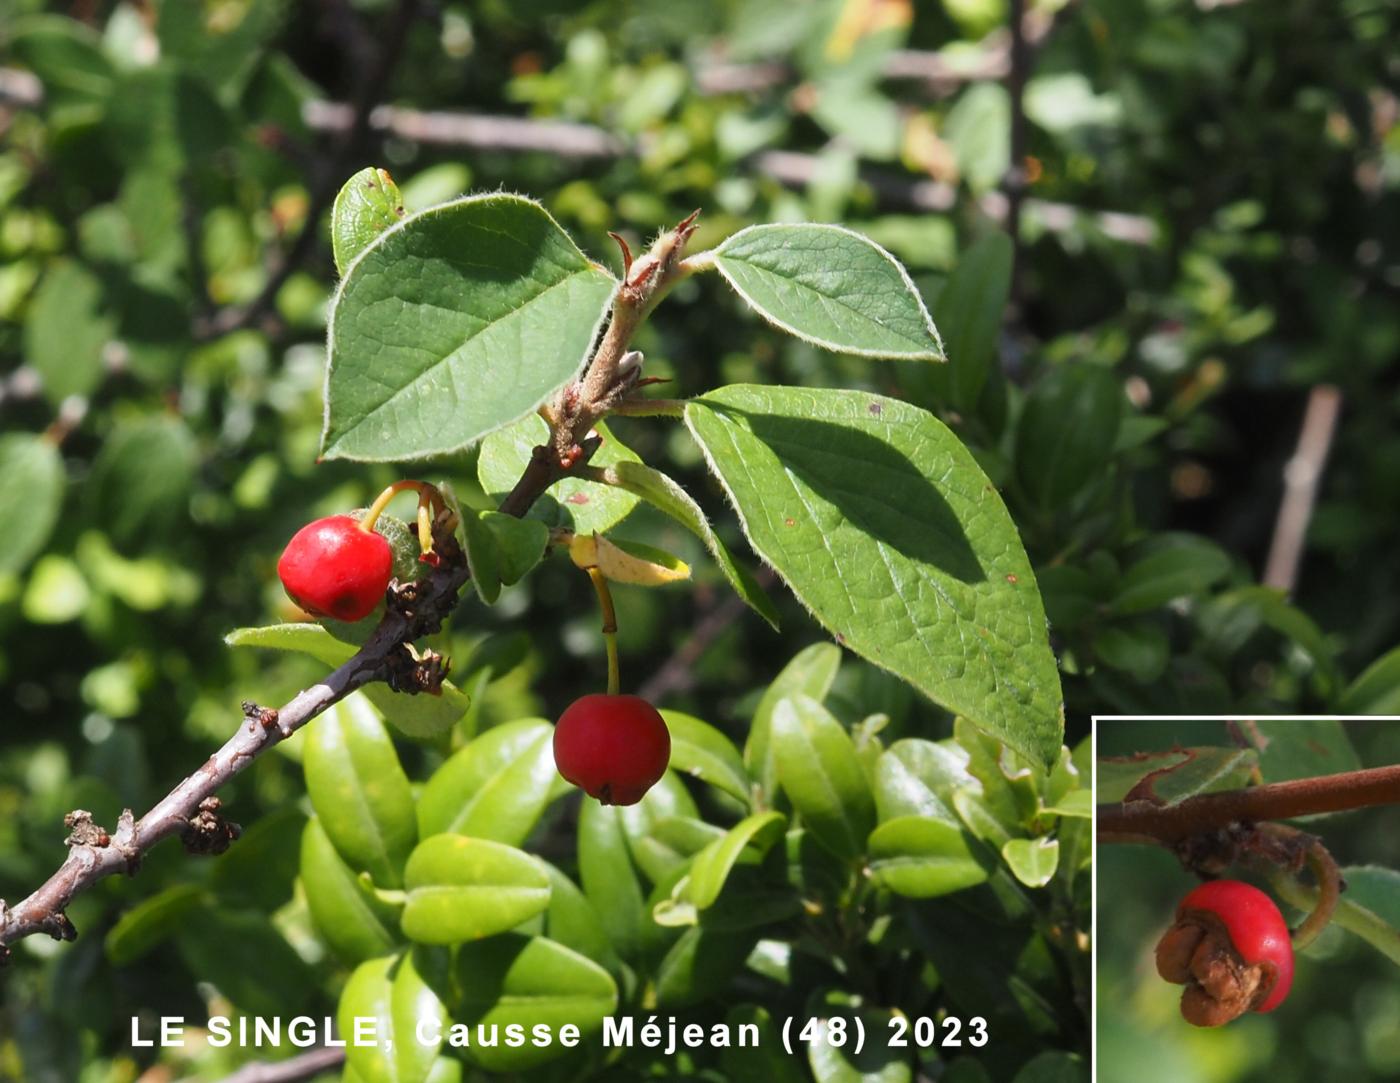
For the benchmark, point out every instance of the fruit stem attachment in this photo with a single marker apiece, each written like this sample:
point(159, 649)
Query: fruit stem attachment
point(430, 502)
point(1325, 872)
point(600, 584)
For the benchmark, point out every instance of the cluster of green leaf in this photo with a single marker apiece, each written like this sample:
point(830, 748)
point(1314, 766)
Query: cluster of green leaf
point(1140, 1030)
point(819, 872)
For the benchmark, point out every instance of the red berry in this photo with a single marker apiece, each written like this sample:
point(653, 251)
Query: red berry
point(615, 747)
point(332, 568)
point(1232, 950)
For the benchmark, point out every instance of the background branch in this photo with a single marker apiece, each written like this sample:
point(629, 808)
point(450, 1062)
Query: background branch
point(1301, 479)
point(292, 1070)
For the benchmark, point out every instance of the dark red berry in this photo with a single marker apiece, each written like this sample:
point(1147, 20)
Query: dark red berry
point(1231, 949)
point(333, 568)
point(615, 747)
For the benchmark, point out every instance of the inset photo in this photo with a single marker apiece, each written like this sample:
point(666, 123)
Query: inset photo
point(1247, 899)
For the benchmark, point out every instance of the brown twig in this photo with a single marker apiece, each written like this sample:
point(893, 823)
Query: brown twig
point(292, 1070)
point(1301, 480)
point(1138, 821)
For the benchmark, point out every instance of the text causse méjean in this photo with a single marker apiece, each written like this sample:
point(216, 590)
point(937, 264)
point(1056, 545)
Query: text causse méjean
point(304, 1031)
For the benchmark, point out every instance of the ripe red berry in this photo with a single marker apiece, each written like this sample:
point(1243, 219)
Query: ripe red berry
point(1231, 949)
point(333, 568)
point(615, 747)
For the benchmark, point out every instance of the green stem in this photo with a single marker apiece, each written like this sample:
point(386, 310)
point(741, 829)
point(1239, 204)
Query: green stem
point(600, 584)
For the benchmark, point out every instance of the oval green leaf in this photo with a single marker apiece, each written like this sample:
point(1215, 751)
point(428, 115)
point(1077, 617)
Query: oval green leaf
point(703, 752)
point(461, 888)
point(389, 994)
point(1032, 861)
point(528, 981)
point(350, 918)
point(367, 205)
point(922, 858)
point(359, 790)
point(712, 865)
point(832, 287)
point(454, 323)
point(494, 788)
point(885, 527)
point(811, 672)
point(31, 494)
point(818, 770)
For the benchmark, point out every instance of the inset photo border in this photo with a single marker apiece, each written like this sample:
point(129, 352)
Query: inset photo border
point(1246, 883)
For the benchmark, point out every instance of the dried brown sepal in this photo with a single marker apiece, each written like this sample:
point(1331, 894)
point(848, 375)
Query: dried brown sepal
point(1197, 952)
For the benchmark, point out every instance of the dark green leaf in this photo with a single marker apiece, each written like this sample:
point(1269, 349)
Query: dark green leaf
point(1067, 432)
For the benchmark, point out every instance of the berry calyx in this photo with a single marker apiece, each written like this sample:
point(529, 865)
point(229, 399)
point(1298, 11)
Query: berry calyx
point(335, 567)
point(1231, 949)
point(614, 747)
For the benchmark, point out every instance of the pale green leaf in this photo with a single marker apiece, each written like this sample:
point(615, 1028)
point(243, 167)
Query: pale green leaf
point(31, 495)
point(462, 888)
point(367, 204)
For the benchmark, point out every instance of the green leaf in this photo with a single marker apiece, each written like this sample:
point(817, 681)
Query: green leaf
point(367, 204)
point(811, 672)
point(836, 490)
point(1140, 649)
point(350, 918)
point(838, 1062)
point(667, 847)
point(978, 128)
point(141, 481)
point(420, 716)
point(572, 920)
point(392, 993)
point(703, 752)
point(164, 118)
point(665, 494)
point(66, 331)
point(150, 922)
point(496, 787)
point(65, 54)
point(700, 964)
point(767, 1062)
point(218, 944)
point(1175, 565)
point(585, 507)
point(818, 770)
point(31, 496)
point(1067, 432)
point(1300, 747)
point(832, 287)
point(969, 312)
point(1170, 777)
point(483, 556)
point(454, 323)
point(1375, 691)
point(921, 857)
point(609, 877)
point(1053, 1066)
point(359, 791)
point(528, 981)
point(915, 777)
point(1078, 805)
point(1033, 861)
point(712, 865)
point(520, 544)
point(461, 888)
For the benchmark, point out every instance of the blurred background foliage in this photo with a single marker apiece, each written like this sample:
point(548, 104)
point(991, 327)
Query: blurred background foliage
point(1342, 1019)
point(1209, 232)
